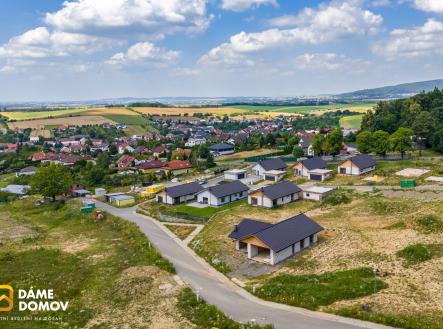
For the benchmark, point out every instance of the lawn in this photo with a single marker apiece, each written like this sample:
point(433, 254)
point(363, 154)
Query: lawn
point(206, 212)
point(352, 121)
point(245, 154)
point(312, 291)
point(29, 115)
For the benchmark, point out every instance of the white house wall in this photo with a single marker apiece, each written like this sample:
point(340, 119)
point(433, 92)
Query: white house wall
point(277, 257)
point(311, 196)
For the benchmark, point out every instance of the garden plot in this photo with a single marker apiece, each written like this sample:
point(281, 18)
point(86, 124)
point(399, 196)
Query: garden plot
point(412, 172)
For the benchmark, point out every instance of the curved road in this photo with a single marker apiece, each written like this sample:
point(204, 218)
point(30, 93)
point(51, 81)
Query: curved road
point(218, 290)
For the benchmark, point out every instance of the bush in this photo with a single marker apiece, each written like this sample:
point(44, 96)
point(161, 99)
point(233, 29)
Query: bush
point(415, 254)
point(430, 224)
point(336, 198)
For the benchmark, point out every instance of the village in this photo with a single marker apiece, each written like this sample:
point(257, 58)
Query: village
point(255, 198)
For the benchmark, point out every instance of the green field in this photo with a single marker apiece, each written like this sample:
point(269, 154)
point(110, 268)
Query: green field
point(29, 115)
point(352, 121)
point(358, 107)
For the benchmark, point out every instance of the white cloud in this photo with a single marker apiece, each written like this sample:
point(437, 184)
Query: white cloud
point(40, 43)
point(241, 5)
point(326, 61)
point(429, 5)
point(336, 20)
point(225, 54)
point(143, 53)
point(186, 71)
point(422, 40)
point(157, 17)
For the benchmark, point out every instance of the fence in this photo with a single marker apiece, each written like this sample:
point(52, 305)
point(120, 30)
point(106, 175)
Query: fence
point(263, 157)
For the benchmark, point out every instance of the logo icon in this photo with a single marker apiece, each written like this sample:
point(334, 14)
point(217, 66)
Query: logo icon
point(8, 297)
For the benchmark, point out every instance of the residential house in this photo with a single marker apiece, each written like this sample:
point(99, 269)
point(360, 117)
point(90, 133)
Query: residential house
point(124, 147)
point(38, 156)
point(178, 167)
point(159, 151)
point(313, 169)
point(179, 194)
point(193, 141)
point(27, 171)
point(270, 169)
point(121, 200)
point(223, 193)
point(34, 139)
point(357, 165)
point(273, 243)
point(125, 161)
point(68, 141)
point(274, 195)
point(306, 144)
point(150, 165)
point(221, 149)
point(8, 148)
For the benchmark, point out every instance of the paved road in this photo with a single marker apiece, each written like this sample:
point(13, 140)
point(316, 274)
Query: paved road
point(217, 290)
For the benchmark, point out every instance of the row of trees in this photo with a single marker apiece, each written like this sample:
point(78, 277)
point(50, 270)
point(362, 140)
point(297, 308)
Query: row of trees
point(422, 114)
point(330, 145)
point(381, 142)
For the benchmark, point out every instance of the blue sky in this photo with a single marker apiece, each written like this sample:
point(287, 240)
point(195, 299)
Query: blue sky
point(90, 49)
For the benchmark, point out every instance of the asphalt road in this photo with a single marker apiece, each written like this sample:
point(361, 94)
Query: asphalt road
point(224, 294)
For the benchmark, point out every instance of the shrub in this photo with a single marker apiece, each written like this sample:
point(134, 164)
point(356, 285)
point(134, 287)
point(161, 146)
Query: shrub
point(430, 224)
point(415, 254)
point(336, 199)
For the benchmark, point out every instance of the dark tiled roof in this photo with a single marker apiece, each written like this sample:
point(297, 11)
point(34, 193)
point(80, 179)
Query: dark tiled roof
point(184, 189)
point(273, 164)
point(225, 189)
point(314, 163)
point(281, 235)
point(248, 227)
point(305, 142)
point(280, 190)
point(221, 147)
point(363, 161)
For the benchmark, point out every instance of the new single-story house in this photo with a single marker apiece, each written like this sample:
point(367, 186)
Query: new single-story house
point(273, 243)
point(274, 195)
point(223, 193)
point(260, 168)
point(357, 165)
point(235, 174)
point(302, 167)
point(221, 149)
point(179, 194)
point(316, 193)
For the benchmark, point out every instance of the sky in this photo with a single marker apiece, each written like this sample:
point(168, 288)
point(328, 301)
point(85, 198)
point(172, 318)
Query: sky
point(91, 49)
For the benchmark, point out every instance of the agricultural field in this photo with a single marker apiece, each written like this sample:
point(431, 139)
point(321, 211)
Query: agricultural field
point(245, 154)
point(396, 233)
point(39, 124)
point(352, 121)
point(320, 109)
point(29, 115)
point(217, 111)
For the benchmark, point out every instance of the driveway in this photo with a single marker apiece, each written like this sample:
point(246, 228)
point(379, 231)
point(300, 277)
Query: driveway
point(218, 290)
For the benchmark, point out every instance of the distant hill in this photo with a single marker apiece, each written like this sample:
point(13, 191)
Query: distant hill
point(398, 91)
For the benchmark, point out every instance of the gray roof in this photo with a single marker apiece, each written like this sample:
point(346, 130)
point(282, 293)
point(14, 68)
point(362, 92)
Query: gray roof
point(280, 190)
point(305, 142)
point(363, 161)
point(184, 189)
point(221, 147)
point(273, 164)
point(16, 189)
point(277, 236)
point(287, 232)
point(314, 163)
point(225, 189)
point(248, 227)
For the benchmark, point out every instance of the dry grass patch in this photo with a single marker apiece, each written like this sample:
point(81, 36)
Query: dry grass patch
point(217, 111)
point(82, 120)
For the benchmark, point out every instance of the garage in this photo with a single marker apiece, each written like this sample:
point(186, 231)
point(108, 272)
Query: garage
point(315, 177)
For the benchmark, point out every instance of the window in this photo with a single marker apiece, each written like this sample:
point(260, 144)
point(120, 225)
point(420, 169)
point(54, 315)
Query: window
point(308, 195)
point(222, 199)
point(302, 244)
point(311, 239)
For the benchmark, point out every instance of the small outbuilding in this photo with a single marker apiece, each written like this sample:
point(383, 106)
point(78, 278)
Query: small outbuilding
point(274, 195)
point(273, 243)
point(100, 191)
point(122, 200)
point(316, 193)
point(19, 190)
point(179, 194)
point(235, 174)
point(357, 165)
